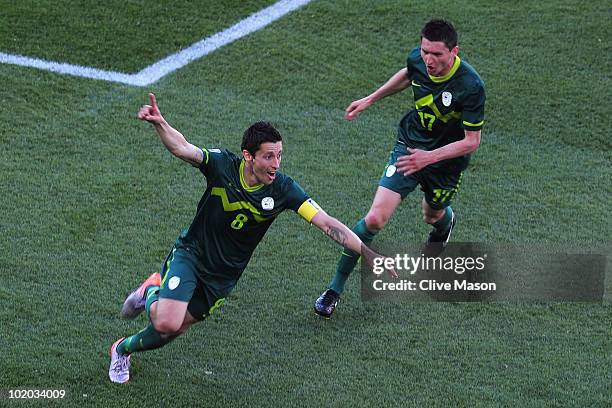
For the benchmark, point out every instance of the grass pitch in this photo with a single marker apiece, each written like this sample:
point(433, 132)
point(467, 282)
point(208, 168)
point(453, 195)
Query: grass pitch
point(92, 202)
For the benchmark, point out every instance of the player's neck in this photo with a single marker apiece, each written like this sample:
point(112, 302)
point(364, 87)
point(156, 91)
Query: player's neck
point(248, 176)
point(447, 69)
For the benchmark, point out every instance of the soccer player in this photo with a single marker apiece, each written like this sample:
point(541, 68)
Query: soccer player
point(433, 146)
point(244, 195)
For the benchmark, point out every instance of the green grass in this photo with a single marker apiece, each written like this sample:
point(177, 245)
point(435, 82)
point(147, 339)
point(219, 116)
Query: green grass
point(92, 202)
point(116, 35)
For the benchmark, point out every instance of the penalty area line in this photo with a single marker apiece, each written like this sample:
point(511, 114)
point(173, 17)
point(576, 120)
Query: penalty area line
point(160, 69)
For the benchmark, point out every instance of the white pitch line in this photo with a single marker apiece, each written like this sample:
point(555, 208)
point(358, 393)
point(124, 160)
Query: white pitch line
point(158, 70)
point(69, 69)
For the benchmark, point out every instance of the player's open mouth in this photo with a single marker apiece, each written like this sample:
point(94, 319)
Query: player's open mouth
point(271, 174)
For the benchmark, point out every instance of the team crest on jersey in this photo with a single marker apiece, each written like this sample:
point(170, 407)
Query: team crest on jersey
point(447, 98)
point(390, 170)
point(174, 282)
point(267, 203)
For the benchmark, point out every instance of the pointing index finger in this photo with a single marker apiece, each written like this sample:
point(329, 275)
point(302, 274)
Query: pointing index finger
point(153, 100)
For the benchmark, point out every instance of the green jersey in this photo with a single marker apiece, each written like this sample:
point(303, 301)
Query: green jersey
point(445, 107)
point(232, 218)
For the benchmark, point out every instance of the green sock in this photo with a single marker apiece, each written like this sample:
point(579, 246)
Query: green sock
point(443, 224)
point(146, 339)
point(349, 258)
point(151, 296)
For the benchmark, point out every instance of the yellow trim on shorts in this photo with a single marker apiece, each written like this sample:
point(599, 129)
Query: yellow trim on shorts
point(465, 122)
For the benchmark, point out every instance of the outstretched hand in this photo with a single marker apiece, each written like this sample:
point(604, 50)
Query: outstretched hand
point(150, 113)
point(356, 107)
point(369, 257)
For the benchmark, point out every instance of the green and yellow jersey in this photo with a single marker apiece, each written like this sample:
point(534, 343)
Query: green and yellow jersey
point(232, 218)
point(444, 107)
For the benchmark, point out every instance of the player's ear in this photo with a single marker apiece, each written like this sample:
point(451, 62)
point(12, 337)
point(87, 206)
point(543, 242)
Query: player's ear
point(247, 156)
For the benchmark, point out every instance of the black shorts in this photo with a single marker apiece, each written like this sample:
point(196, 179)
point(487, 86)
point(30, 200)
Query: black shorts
point(439, 187)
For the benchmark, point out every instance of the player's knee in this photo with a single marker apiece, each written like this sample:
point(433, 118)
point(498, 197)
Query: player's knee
point(375, 221)
point(167, 327)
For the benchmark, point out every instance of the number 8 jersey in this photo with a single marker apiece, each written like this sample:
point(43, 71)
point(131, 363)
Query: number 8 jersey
point(232, 218)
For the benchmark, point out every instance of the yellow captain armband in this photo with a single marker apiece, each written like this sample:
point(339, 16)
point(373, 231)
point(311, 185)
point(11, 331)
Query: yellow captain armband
point(309, 209)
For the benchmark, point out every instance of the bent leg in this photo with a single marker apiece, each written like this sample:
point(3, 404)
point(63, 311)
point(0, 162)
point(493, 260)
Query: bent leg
point(169, 319)
point(166, 306)
point(384, 205)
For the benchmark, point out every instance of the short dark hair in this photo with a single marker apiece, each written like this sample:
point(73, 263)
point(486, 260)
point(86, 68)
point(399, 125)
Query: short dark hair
point(258, 133)
point(438, 29)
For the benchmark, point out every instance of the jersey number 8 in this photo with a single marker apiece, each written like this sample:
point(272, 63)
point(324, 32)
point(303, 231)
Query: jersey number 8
point(239, 221)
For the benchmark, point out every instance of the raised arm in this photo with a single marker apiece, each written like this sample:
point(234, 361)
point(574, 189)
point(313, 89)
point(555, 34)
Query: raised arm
point(345, 237)
point(398, 82)
point(172, 139)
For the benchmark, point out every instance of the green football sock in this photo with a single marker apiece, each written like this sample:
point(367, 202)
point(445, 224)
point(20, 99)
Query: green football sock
point(443, 224)
point(349, 258)
point(151, 296)
point(146, 339)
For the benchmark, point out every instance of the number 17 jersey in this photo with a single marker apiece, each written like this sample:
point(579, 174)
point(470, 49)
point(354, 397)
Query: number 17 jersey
point(445, 107)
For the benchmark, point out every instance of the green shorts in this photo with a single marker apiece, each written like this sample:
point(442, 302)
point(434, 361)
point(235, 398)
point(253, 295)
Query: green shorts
point(439, 187)
point(180, 282)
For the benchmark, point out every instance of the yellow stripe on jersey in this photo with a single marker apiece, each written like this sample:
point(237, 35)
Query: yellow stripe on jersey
point(308, 210)
point(428, 101)
point(237, 205)
point(167, 268)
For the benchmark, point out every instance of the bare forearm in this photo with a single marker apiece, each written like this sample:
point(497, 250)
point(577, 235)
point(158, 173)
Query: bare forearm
point(171, 138)
point(395, 84)
point(418, 159)
point(176, 144)
point(345, 237)
point(452, 150)
point(342, 235)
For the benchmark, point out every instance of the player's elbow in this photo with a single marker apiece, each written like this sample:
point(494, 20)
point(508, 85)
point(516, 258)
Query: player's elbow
point(472, 142)
point(175, 152)
point(473, 145)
